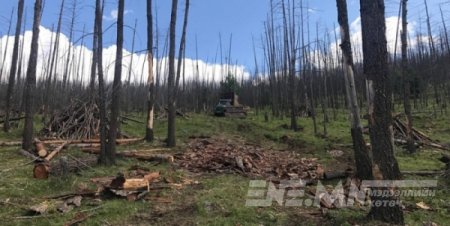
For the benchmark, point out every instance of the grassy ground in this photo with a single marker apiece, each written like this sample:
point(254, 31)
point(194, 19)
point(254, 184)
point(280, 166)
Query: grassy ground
point(219, 199)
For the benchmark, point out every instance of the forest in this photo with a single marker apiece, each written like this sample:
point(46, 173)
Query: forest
point(341, 126)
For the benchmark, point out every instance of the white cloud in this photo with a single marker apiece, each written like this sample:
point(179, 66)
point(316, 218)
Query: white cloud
point(391, 30)
point(82, 62)
point(114, 13)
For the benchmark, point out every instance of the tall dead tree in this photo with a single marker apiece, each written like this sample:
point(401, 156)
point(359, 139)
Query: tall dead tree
point(94, 53)
point(30, 84)
point(171, 140)
point(54, 62)
point(381, 134)
point(406, 79)
point(182, 49)
point(101, 84)
point(69, 54)
point(13, 70)
point(362, 157)
point(116, 90)
point(149, 135)
point(7, 44)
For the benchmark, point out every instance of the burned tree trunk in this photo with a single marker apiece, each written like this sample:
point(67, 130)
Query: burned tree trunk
point(149, 135)
point(182, 49)
point(362, 158)
point(116, 92)
point(376, 68)
point(13, 70)
point(101, 85)
point(7, 44)
point(171, 141)
point(72, 24)
point(30, 86)
point(406, 79)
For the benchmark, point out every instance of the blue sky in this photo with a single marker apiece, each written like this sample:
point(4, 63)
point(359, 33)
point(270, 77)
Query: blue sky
point(243, 19)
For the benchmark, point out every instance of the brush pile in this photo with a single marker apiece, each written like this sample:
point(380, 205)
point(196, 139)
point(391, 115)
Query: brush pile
point(420, 138)
point(80, 120)
point(226, 156)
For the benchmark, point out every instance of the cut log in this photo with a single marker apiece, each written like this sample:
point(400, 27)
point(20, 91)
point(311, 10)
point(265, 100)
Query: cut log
point(135, 184)
point(41, 170)
point(41, 151)
point(424, 173)
point(335, 175)
point(147, 156)
point(92, 141)
point(29, 155)
point(10, 143)
point(55, 152)
point(144, 155)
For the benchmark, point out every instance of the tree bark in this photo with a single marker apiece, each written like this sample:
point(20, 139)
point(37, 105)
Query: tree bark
point(406, 80)
point(13, 70)
point(30, 86)
point(149, 135)
point(101, 85)
point(381, 134)
point(362, 157)
point(117, 88)
point(171, 140)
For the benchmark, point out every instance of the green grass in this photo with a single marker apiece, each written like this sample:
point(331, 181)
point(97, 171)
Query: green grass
point(219, 199)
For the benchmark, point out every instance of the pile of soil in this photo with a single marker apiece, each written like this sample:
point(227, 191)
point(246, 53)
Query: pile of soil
point(230, 156)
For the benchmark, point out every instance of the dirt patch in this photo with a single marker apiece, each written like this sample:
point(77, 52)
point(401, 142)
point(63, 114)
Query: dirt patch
point(232, 156)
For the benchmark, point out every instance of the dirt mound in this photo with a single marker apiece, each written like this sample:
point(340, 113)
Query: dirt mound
point(229, 156)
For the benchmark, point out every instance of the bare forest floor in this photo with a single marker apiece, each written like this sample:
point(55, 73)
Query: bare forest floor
point(216, 198)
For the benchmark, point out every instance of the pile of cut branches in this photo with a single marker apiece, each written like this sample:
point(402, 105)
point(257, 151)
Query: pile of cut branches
point(80, 120)
point(227, 156)
point(420, 138)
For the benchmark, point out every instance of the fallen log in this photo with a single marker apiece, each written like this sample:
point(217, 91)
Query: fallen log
point(41, 151)
point(55, 152)
point(10, 143)
point(41, 170)
point(424, 173)
point(12, 119)
point(144, 155)
point(92, 141)
point(131, 119)
point(44, 169)
point(335, 175)
point(29, 155)
point(147, 156)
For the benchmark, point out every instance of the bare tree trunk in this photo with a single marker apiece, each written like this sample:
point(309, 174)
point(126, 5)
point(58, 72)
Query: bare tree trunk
point(182, 49)
point(406, 79)
point(149, 135)
point(381, 134)
point(101, 84)
point(54, 63)
point(72, 24)
point(171, 140)
point(13, 70)
point(116, 91)
point(7, 44)
point(362, 157)
point(30, 86)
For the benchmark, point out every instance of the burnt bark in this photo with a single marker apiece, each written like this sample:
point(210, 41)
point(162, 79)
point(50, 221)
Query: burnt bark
point(171, 140)
point(362, 158)
point(117, 89)
point(381, 134)
point(30, 85)
point(101, 84)
point(13, 70)
point(149, 134)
